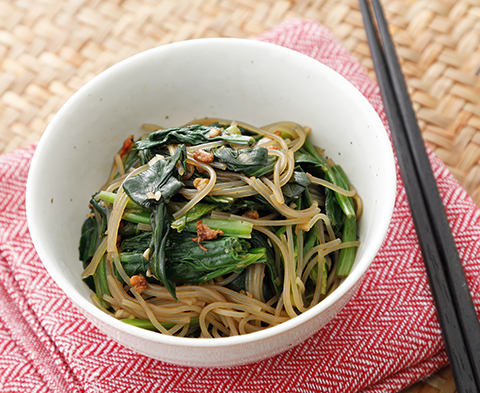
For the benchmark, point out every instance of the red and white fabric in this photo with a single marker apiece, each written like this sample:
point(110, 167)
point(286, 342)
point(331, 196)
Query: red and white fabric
point(385, 339)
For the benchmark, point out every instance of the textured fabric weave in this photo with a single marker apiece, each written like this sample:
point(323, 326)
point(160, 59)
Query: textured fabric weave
point(386, 338)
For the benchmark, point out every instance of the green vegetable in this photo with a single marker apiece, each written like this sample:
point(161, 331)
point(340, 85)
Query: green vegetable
point(193, 134)
point(236, 228)
point(162, 179)
point(251, 162)
point(242, 130)
point(110, 198)
point(260, 241)
point(130, 161)
point(136, 217)
point(101, 284)
point(311, 156)
point(347, 255)
point(147, 324)
point(296, 185)
point(134, 263)
point(161, 230)
point(194, 214)
point(93, 230)
point(333, 211)
point(222, 202)
point(128, 229)
point(138, 243)
point(186, 261)
point(88, 240)
point(189, 263)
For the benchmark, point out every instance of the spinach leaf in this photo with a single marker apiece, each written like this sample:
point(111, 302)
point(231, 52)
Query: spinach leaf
point(101, 283)
point(331, 175)
point(333, 211)
point(250, 162)
point(310, 163)
point(229, 204)
point(260, 241)
point(160, 232)
point(128, 229)
point(296, 185)
point(194, 214)
point(319, 169)
point(136, 244)
point(92, 232)
point(254, 202)
point(223, 202)
point(88, 240)
point(232, 228)
point(134, 263)
point(188, 263)
point(102, 216)
point(161, 177)
point(292, 190)
point(243, 130)
point(194, 134)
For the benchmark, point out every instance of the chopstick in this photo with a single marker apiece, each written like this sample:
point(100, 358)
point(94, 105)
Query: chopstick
point(454, 305)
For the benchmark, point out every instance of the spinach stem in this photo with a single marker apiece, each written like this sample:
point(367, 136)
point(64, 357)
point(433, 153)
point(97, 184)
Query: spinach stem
point(344, 201)
point(147, 324)
point(137, 218)
point(347, 255)
point(234, 228)
point(110, 197)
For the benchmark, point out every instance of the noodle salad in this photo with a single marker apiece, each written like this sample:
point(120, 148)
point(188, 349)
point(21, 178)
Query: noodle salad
point(218, 228)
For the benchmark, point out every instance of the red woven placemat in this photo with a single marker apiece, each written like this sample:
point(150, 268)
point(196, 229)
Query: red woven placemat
point(386, 338)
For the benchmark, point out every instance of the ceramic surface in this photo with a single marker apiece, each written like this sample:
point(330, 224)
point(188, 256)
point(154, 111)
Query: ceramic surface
point(247, 80)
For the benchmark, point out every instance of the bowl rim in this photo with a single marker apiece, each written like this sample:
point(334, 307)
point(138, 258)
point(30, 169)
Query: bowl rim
point(86, 306)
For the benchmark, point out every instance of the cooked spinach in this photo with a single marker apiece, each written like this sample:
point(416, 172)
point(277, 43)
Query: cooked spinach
point(181, 251)
point(251, 162)
point(193, 134)
point(188, 263)
point(150, 189)
point(162, 177)
point(194, 214)
point(88, 240)
point(315, 163)
point(259, 240)
point(296, 185)
point(134, 263)
point(136, 244)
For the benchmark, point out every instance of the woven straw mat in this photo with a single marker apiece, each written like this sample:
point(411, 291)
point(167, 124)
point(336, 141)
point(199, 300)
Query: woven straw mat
point(50, 48)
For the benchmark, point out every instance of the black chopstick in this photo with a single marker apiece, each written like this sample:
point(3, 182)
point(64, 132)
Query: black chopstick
point(453, 266)
point(453, 302)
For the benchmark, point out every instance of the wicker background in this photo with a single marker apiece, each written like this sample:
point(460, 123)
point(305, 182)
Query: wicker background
point(50, 48)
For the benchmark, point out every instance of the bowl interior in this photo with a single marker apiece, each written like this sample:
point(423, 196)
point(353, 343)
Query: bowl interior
point(254, 82)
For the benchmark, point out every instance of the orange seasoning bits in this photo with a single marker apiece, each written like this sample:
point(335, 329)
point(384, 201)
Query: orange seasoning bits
point(203, 156)
point(253, 214)
point(139, 283)
point(204, 232)
point(127, 145)
point(200, 183)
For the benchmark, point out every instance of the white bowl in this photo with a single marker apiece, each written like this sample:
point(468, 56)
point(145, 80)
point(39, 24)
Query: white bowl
point(247, 80)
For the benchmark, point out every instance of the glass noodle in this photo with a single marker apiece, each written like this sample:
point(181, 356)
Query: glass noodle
point(220, 228)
